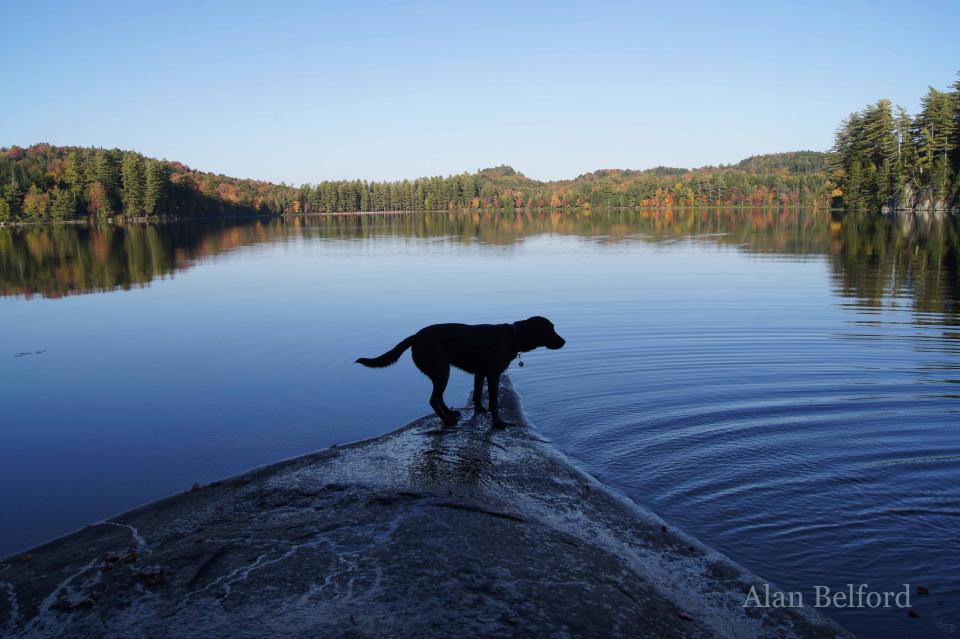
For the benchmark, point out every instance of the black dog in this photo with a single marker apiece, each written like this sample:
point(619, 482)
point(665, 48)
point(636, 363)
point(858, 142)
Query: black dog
point(482, 349)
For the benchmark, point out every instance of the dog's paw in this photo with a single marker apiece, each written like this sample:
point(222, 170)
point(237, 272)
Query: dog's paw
point(499, 423)
point(451, 421)
point(480, 410)
point(454, 415)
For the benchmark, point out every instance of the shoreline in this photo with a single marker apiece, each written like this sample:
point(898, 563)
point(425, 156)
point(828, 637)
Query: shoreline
point(422, 531)
point(119, 221)
point(92, 221)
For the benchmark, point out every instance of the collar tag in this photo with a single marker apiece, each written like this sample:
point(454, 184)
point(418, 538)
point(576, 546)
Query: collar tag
point(516, 336)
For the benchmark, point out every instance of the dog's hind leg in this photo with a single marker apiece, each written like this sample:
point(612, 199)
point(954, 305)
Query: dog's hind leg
point(440, 407)
point(432, 363)
point(478, 394)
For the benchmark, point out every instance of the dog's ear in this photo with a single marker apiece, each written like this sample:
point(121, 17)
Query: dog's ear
point(542, 324)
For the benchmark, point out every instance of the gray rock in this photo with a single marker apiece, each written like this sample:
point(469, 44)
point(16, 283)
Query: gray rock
point(423, 532)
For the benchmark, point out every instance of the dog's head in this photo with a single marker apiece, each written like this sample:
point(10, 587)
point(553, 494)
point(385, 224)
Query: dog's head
point(538, 331)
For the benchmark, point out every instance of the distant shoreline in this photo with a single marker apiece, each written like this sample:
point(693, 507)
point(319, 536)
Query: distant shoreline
point(92, 221)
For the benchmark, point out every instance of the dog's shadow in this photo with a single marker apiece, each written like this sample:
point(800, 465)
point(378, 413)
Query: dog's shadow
point(457, 455)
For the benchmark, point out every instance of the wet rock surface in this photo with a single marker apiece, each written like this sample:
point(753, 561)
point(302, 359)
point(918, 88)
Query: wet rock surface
point(425, 531)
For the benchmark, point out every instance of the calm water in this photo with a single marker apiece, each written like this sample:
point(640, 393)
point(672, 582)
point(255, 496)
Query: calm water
point(781, 384)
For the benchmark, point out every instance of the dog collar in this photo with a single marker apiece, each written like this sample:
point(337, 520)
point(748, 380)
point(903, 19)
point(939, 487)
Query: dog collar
point(516, 336)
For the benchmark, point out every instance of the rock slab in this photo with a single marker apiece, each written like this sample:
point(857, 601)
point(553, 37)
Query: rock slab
point(426, 531)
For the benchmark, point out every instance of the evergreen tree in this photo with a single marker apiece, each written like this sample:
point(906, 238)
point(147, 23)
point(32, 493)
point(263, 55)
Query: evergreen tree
point(315, 200)
point(940, 185)
point(902, 171)
point(469, 189)
point(73, 172)
point(155, 187)
point(63, 205)
point(132, 177)
point(955, 156)
point(365, 197)
point(208, 186)
point(13, 195)
point(883, 183)
point(105, 174)
point(853, 185)
point(934, 128)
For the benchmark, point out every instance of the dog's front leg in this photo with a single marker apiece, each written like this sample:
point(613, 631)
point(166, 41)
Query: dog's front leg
point(478, 394)
point(493, 390)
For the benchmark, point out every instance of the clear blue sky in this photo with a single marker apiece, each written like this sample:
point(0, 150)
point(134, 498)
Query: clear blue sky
point(302, 92)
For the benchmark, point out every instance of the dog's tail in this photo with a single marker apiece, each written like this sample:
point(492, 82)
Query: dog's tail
point(387, 358)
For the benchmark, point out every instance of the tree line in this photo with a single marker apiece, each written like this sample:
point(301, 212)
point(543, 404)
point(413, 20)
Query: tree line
point(504, 188)
point(883, 156)
point(44, 182)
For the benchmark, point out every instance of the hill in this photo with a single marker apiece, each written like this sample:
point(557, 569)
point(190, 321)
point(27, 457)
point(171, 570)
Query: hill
point(45, 182)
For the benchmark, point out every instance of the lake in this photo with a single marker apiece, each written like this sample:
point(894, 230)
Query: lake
point(782, 384)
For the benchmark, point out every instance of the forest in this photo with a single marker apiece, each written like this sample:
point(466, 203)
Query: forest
point(49, 183)
point(885, 158)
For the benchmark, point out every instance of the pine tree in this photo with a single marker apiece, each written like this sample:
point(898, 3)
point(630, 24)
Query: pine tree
point(105, 173)
point(13, 195)
point(902, 171)
point(469, 189)
point(852, 187)
point(209, 186)
point(880, 132)
point(940, 178)
point(365, 197)
point(956, 130)
point(131, 174)
point(882, 186)
point(63, 205)
point(155, 187)
point(73, 173)
point(934, 129)
point(328, 197)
